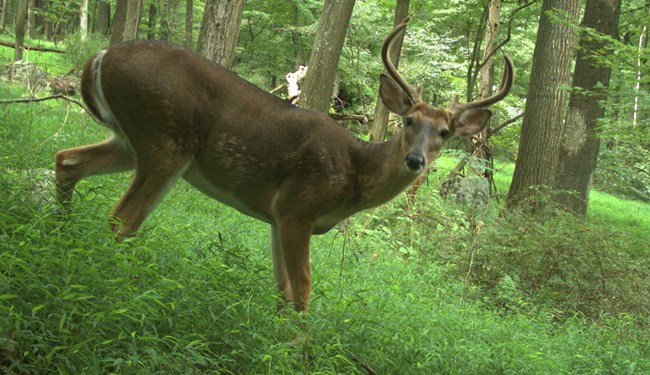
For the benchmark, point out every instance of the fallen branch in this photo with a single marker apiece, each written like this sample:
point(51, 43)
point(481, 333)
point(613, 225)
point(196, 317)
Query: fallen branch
point(31, 48)
point(368, 369)
point(277, 88)
point(33, 100)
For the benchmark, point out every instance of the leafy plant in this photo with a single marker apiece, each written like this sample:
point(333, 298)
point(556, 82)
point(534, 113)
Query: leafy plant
point(79, 50)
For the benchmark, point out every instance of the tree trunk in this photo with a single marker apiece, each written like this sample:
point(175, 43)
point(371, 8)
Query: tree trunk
point(103, 17)
point(31, 19)
point(486, 74)
point(643, 41)
point(126, 20)
point(189, 15)
point(3, 16)
point(326, 52)
point(20, 25)
point(152, 16)
point(168, 17)
point(580, 141)
point(220, 30)
point(537, 158)
point(380, 117)
point(83, 18)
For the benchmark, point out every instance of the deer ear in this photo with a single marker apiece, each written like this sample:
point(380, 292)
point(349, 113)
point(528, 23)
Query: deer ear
point(471, 121)
point(394, 98)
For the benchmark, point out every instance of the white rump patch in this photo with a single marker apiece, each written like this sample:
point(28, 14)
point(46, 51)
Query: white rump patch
point(105, 113)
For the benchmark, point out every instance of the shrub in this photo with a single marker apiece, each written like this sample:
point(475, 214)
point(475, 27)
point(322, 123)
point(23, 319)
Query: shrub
point(79, 50)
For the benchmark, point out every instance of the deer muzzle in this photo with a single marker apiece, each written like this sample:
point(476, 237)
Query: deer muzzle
point(415, 162)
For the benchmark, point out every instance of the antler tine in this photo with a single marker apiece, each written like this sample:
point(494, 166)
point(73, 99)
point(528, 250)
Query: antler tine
point(388, 64)
point(506, 84)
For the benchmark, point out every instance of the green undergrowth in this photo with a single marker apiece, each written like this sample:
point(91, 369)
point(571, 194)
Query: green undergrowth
point(198, 297)
point(438, 288)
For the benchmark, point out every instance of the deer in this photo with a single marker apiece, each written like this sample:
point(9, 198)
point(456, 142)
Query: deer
point(174, 114)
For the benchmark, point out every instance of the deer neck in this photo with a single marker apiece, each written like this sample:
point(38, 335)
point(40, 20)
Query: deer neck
point(381, 173)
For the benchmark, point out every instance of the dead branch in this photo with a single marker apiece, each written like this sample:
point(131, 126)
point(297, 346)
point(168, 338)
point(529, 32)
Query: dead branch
point(57, 96)
point(504, 124)
point(344, 117)
point(509, 33)
point(365, 366)
point(277, 89)
point(31, 48)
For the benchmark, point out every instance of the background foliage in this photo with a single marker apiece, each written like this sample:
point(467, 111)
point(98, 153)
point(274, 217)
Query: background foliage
point(436, 287)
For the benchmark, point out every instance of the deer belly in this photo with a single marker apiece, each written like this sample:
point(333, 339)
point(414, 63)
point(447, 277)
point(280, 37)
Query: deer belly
point(196, 179)
point(325, 223)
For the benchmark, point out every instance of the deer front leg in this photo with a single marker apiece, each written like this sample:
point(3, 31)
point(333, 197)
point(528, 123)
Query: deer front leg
point(73, 164)
point(279, 268)
point(154, 177)
point(294, 239)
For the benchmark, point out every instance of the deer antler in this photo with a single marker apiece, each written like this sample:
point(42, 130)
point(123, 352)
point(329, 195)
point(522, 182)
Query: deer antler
point(506, 84)
point(390, 67)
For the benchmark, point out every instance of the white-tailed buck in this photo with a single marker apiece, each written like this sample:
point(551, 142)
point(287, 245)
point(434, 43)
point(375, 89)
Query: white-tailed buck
point(175, 114)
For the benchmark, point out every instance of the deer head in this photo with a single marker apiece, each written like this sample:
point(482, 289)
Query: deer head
point(426, 128)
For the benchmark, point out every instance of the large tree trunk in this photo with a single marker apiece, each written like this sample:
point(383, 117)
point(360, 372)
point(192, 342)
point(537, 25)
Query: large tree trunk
point(324, 59)
point(220, 30)
point(380, 117)
point(20, 28)
point(541, 130)
point(126, 20)
point(580, 141)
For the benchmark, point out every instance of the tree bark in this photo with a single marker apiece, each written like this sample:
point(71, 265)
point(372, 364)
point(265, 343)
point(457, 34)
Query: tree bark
point(20, 26)
point(643, 41)
point(126, 20)
point(31, 19)
point(380, 117)
point(152, 17)
point(220, 30)
point(189, 15)
point(537, 157)
point(168, 19)
point(580, 141)
point(326, 52)
point(83, 18)
point(103, 17)
point(3, 16)
point(486, 74)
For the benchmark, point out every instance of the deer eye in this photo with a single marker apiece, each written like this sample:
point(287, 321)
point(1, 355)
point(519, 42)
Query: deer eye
point(409, 121)
point(444, 133)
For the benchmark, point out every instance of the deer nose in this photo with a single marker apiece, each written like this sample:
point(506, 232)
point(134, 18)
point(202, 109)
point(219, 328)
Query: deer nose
point(415, 162)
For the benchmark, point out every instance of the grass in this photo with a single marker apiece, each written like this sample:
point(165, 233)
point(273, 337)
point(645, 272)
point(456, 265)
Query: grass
point(632, 216)
point(443, 290)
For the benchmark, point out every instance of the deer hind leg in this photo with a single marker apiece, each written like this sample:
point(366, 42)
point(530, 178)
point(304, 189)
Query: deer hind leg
point(155, 174)
point(294, 239)
point(73, 164)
